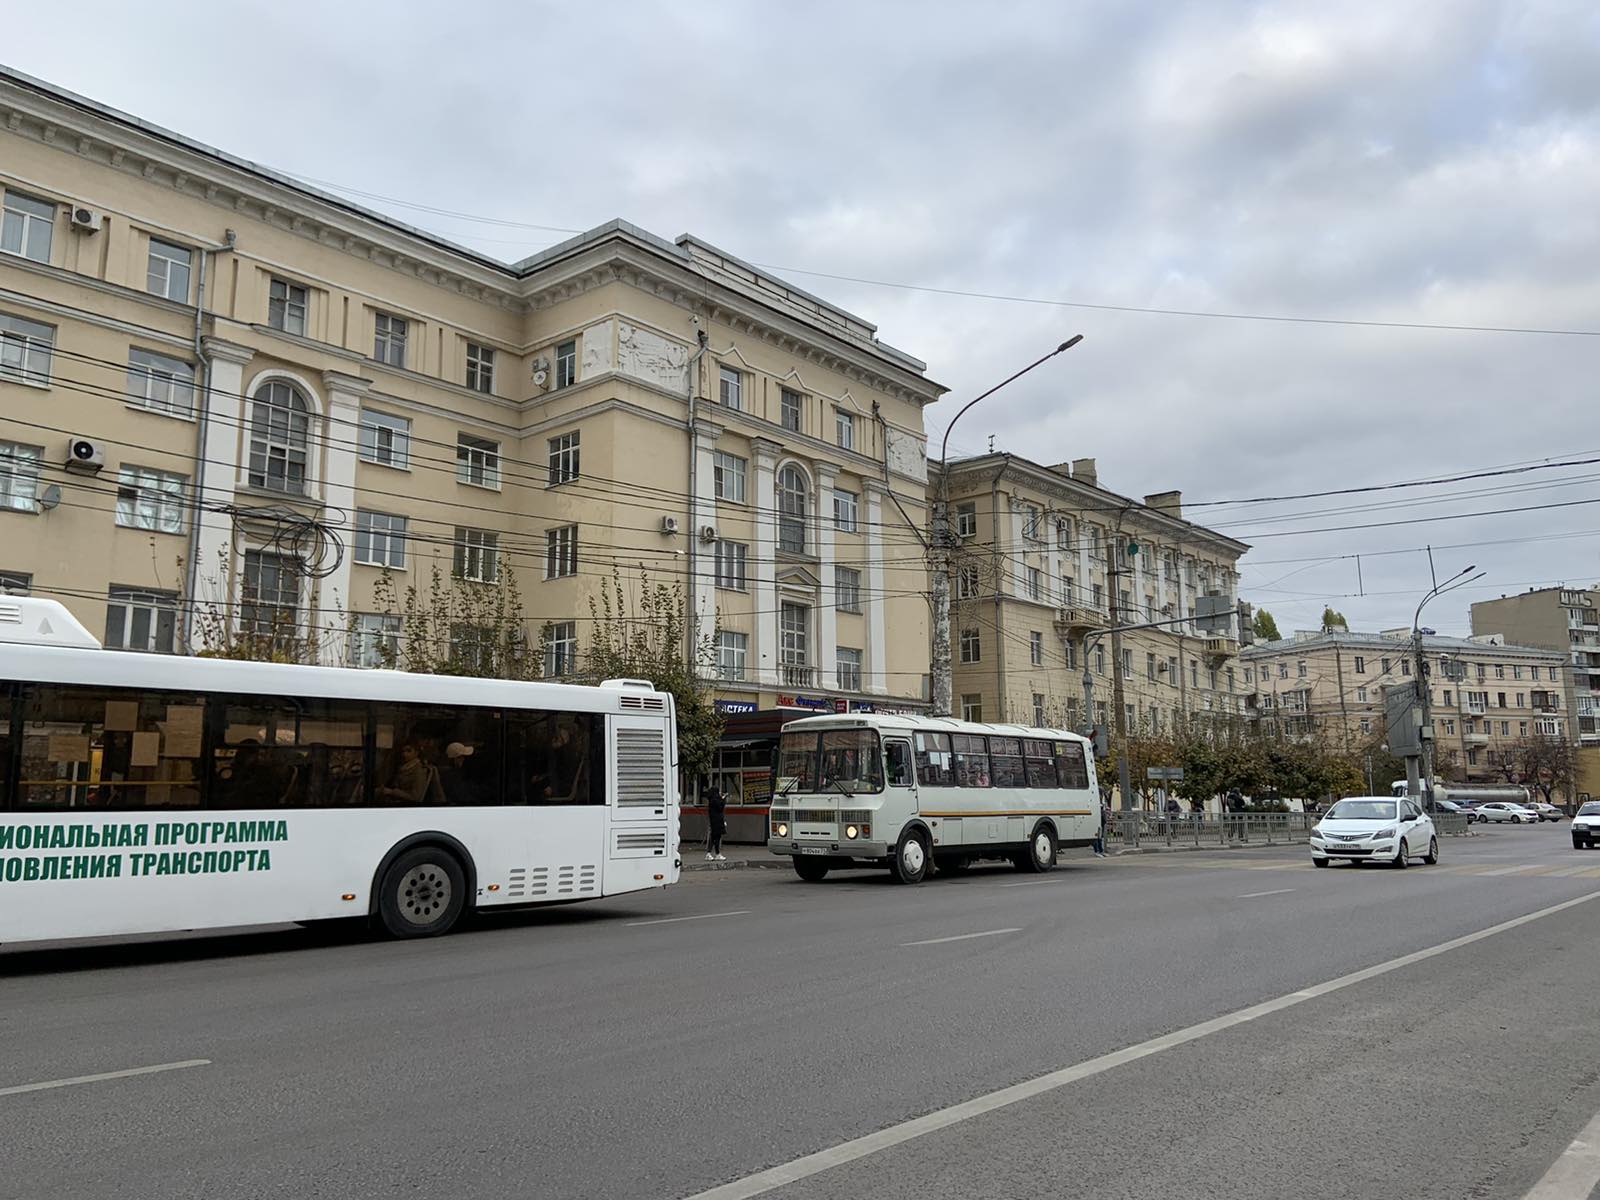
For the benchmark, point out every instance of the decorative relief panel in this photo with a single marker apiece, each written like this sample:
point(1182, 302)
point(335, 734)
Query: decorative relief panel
point(653, 358)
point(597, 356)
point(907, 454)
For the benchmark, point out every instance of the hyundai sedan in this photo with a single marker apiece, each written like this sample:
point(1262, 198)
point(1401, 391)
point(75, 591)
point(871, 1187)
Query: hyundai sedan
point(1501, 811)
point(1374, 829)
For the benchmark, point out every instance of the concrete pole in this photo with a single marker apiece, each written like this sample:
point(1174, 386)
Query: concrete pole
point(943, 683)
point(1425, 695)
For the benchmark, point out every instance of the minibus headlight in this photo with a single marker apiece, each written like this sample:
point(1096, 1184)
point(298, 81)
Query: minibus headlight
point(850, 831)
point(781, 829)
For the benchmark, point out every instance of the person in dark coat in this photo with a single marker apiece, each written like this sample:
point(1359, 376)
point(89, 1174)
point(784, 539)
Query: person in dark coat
point(716, 823)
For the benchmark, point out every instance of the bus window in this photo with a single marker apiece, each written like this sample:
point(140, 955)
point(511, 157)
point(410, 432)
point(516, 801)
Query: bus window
point(1071, 766)
point(850, 758)
point(1041, 766)
point(104, 748)
point(797, 762)
point(971, 760)
point(933, 760)
point(897, 754)
point(552, 759)
point(433, 756)
point(281, 752)
point(7, 699)
point(1005, 762)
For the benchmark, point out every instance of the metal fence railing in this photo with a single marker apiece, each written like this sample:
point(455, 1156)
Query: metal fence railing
point(1133, 830)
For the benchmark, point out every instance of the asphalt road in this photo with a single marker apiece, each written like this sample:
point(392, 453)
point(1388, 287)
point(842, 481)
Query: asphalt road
point(618, 1050)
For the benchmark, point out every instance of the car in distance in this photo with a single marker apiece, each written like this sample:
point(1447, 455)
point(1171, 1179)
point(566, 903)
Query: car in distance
point(1547, 812)
point(1586, 826)
point(1374, 829)
point(1450, 806)
point(1503, 811)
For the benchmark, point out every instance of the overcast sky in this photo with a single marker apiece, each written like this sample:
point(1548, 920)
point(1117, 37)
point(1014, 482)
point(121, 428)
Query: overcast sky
point(1417, 162)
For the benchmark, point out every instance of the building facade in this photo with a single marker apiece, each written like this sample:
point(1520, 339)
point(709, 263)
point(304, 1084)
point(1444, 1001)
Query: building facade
point(1485, 694)
point(224, 391)
point(1046, 558)
point(1566, 620)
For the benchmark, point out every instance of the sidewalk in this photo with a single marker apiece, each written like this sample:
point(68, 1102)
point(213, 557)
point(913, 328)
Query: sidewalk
point(693, 855)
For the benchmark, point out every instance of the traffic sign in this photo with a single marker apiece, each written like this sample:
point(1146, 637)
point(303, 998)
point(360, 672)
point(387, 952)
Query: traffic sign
point(1174, 774)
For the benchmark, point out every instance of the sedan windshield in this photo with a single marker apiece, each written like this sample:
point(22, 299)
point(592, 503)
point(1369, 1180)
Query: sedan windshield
point(1362, 810)
point(1592, 809)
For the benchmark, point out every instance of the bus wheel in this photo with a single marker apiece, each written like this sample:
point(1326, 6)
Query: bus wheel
point(812, 870)
point(422, 894)
point(1041, 855)
point(910, 861)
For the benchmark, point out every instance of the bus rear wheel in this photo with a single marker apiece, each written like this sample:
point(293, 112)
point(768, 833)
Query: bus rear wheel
point(909, 863)
point(812, 870)
point(422, 894)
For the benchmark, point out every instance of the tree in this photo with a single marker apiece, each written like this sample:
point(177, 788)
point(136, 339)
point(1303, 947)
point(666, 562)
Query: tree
point(249, 631)
point(1266, 627)
point(453, 626)
point(647, 640)
point(1546, 762)
point(1333, 619)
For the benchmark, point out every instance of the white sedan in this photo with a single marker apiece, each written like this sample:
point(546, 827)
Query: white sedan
point(1374, 829)
point(1586, 826)
point(1503, 811)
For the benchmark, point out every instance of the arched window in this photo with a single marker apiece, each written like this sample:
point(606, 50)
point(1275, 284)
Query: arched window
point(280, 419)
point(792, 510)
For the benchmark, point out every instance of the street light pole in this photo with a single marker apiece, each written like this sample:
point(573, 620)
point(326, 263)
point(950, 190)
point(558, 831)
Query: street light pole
point(1425, 696)
point(943, 680)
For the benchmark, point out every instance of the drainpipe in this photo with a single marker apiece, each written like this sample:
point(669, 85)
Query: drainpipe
point(202, 424)
point(692, 625)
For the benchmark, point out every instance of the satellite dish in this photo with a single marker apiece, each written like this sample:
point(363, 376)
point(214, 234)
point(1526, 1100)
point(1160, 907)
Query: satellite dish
point(50, 497)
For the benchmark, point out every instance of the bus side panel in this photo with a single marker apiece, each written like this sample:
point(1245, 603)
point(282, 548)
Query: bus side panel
point(643, 807)
point(79, 875)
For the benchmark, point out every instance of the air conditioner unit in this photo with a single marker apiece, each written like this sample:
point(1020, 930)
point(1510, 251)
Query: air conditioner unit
point(669, 524)
point(1162, 668)
point(86, 220)
point(708, 534)
point(85, 456)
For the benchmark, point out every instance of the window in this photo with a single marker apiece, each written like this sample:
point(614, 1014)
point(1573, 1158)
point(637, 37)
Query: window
point(731, 651)
point(1505, 728)
point(1283, 670)
point(15, 583)
point(1030, 524)
point(789, 405)
point(1099, 658)
point(731, 389)
point(477, 461)
point(1035, 584)
point(480, 368)
point(727, 477)
point(385, 439)
point(19, 476)
point(1036, 648)
point(1127, 663)
point(1005, 763)
point(1300, 670)
point(1522, 698)
point(1194, 673)
point(848, 669)
point(561, 552)
point(141, 619)
point(381, 540)
point(847, 589)
point(792, 510)
point(730, 565)
point(563, 458)
point(1361, 665)
point(150, 499)
point(1150, 667)
point(476, 555)
point(1038, 719)
point(1522, 728)
point(1516, 672)
point(844, 426)
point(1499, 671)
point(934, 768)
point(377, 640)
point(1361, 695)
point(1366, 725)
point(160, 384)
point(1450, 727)
point(555, 759)
point(1500, 700)
point(167, 273)
point(971, 648)
point(270, 595)
point(794, 624)
point(25, 350)
point(280, 422)
point(966, 520)
point(26, 226)
point(1447, 699)
point(971, 752)
point(1063, 535)
point(1553, 676)
point(844, 511)
point(1405, 666)
point(561, 649)
point(286, 307)
point(967, 582)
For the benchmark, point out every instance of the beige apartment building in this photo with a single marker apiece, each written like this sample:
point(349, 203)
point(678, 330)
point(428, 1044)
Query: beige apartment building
point(1566, 620)
point(1044, 554)
point(1485, 693)
point(221, 389)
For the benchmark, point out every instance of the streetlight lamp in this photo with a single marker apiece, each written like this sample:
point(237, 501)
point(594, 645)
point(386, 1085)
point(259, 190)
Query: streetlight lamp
point(943, 682)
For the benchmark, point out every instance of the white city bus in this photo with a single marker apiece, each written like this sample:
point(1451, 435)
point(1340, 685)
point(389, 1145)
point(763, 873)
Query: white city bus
point(142, 793)
point(912, 792)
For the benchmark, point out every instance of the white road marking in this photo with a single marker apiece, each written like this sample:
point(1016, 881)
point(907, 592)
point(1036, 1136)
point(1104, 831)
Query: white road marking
point(1511, 870)
point(961, 937)
point(846, 1152)
point(1037, 882)
point(743, 912)
point(76, 1079)
point(1274, 892)
point(1574, 1175)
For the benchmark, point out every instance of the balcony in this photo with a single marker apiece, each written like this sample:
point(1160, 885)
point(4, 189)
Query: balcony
point(1477, 737)
point(797, 675)
point(1075, 620)
point(1221, 647)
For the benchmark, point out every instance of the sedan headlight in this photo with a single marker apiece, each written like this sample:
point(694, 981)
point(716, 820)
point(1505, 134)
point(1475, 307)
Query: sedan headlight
point(1385, 833)
point(781, 829)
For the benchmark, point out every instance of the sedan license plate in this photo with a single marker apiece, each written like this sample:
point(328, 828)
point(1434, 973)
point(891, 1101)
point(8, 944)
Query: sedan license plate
point(813, 850)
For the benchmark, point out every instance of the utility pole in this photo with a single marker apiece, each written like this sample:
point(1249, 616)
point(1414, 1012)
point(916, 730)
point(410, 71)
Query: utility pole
point(943, 542)
point(1419, 768)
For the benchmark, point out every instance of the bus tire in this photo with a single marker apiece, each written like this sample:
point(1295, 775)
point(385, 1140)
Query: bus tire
point(1041, 852)
point(910, 861)
point(812, 870)
point(422, 894)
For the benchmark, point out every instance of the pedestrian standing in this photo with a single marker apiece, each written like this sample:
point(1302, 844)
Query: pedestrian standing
point(1100, 834)
point(716, 823)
